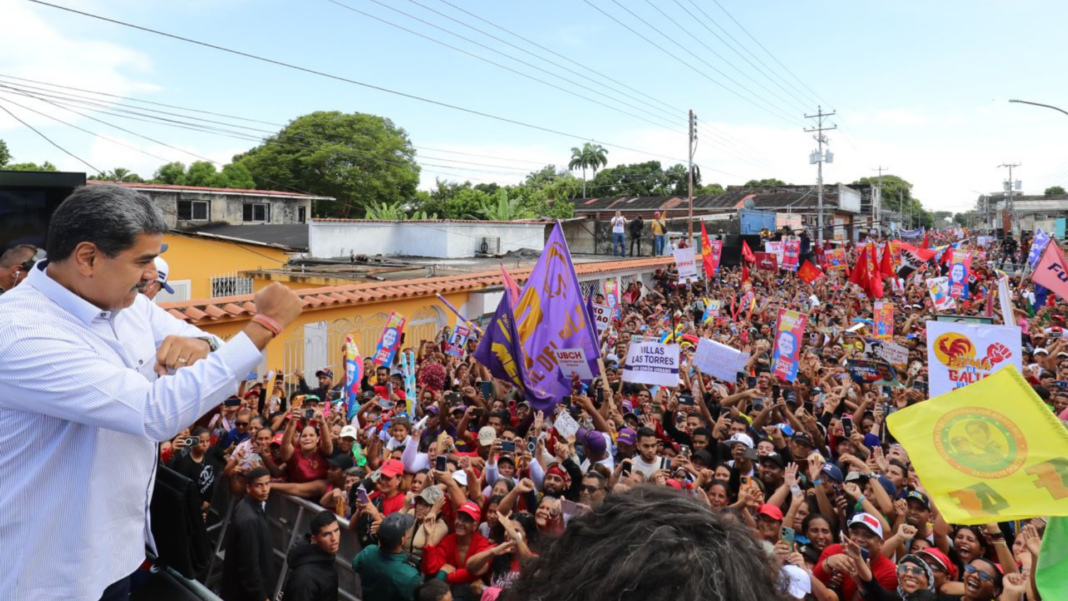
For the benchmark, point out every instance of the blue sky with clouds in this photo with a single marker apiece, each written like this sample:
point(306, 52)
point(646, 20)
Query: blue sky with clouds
point(919, 87)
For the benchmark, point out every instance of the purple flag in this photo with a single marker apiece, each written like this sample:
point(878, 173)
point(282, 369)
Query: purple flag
point(551, 314)
point(500, 351)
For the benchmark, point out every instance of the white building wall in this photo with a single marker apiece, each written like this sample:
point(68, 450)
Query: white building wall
point(438, 239)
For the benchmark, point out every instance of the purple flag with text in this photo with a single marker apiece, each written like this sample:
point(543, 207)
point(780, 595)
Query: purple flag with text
point(501, 353)
point(551, 315)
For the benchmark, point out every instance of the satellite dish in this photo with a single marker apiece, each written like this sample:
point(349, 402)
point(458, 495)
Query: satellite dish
point(749, 204)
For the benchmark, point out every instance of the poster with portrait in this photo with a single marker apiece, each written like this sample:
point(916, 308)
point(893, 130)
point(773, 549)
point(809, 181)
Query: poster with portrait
point(611, 293)
point(775, 248)
point(960, 263)
point(390, 341)
point(884, 321)
point(938, 288)
point(458, 340)
point(767, 261)
point(836, 259)
point(791, 254)
point(789, 332)
point(876, 373)
point(960, 353)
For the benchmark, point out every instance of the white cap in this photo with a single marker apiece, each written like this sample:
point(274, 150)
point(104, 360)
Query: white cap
point(163, 270)
point(460, 477)
point(798, 583)
point(740, 438)
point(486, 436)
point(868, 521)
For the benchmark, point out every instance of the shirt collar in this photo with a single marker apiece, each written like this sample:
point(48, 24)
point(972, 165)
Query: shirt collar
point(83, 310)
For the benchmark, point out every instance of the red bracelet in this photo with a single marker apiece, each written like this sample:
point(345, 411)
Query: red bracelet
point(268, 322)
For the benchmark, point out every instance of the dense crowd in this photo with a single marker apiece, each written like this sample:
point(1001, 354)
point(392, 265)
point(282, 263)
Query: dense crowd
point(752, 488)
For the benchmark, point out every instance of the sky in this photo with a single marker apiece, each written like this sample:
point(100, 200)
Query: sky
point(921, 89)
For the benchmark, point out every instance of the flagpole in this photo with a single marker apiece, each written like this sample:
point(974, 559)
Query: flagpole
point(466, 321)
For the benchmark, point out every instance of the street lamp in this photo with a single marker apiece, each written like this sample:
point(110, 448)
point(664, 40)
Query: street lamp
point(1042, 105)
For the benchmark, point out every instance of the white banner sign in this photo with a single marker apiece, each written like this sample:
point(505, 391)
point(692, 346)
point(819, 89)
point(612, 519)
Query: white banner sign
point(959, 353)
point(572, 361)
point(652, 363)
point(891, 352)
point(602, 314)
point(1005, 298)
point(776, 248)
point(719, 360)
point(687, 264)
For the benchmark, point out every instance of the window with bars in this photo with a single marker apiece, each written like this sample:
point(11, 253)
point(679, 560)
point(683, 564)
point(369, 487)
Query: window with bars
point(230, 286)
point(194, 210)
point(256, 212)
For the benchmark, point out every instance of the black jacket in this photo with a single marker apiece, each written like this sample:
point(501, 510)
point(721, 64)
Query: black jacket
point(313, 576)
point(249, 573)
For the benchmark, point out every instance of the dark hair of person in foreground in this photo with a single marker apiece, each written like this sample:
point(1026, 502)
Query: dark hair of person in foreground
point(650, 544)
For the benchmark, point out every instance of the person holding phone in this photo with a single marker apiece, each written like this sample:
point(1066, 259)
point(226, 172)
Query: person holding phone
point(867, 532)
point(306, 462)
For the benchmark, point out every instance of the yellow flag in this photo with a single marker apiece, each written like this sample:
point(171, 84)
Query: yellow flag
point(988, 452)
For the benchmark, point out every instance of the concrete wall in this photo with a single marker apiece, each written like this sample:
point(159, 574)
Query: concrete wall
point(439, 239)
point(228, 208)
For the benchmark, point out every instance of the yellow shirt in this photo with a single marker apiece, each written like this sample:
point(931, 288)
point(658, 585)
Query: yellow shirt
point(658, 227)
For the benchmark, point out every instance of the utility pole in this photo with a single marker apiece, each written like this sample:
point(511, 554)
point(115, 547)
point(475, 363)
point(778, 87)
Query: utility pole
point(1008, 197)
point(693, 147)
point(877, 208)
point(818, 158)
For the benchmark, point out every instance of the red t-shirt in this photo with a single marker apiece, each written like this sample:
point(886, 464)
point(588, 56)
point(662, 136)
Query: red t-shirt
point(884, 571)
point(302, 469)
point(389, 504)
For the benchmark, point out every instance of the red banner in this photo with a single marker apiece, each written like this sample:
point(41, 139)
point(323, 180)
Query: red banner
point(809, 273)
point(767, 261)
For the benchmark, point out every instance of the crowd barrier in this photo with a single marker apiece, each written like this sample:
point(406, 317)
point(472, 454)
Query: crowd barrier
point(289, 519)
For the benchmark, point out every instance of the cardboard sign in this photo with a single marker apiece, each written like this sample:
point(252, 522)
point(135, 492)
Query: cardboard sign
point(836, 259)
point(939, 290)
point(777, 249)
point(866, 371)
point(767, 261)
point(891, 352)
point(719, 360)
point(959, 353)
point(565, 425)
point(789, 332)
point(652, 363)
point(602, 314)
point(686, 263)
point(572, 361)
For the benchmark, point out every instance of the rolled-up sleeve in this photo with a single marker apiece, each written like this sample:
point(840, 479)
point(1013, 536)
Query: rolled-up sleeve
point(51, 372)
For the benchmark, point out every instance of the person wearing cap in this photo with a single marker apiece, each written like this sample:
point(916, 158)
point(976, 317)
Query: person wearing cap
point(429, 527)
point(771, 471)
point(326, 383)
point(659, 227)
point(916, 580)
point(314, 576)
point(626, 444)
point(444, 560)
point(740, 445)
point(160, 283)
point(384, 571)
point(768, 524)
point(595, 443)
point(867, 531)
point(346, 440)
point(944, 569)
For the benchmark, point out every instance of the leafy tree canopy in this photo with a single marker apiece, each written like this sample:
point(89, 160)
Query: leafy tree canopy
point(897, 196)
point(1050, 191)
point(767, 182)
point(357, 158)
point(5, 154)
point(45, 166)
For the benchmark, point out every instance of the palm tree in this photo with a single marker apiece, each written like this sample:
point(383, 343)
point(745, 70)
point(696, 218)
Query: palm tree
point(593, 156)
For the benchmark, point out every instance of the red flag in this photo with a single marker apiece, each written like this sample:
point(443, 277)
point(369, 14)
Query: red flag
point(926, 239)
point(886, 266)
point(510, 285)
point(809, 273)
point(875, 282)
point(745, 272)
point(709, 256)
point(1051, 270)
point(860, 270)
point(747, 253)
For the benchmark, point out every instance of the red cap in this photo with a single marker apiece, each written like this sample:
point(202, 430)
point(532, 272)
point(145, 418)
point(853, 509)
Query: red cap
point(673, 483)
point(471, 510)
point(771, 511)
point(392, 468)
point(936, 554)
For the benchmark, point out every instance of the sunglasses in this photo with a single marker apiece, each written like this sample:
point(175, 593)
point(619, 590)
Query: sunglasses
point(591, 489)
point(970, 569)
point(242, 424)
point(914, 570)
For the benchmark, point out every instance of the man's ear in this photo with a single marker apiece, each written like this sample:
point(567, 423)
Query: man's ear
point(85, 256)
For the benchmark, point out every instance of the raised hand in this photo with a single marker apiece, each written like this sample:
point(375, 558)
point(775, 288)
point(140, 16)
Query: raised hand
point(907, 532)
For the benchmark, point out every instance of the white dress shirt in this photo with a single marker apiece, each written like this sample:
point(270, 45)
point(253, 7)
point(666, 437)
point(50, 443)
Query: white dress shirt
point(81, 411)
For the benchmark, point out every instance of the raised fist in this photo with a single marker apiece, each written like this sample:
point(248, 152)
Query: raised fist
point(998, 352)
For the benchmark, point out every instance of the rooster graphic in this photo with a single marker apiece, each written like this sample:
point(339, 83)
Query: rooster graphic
point(954, 348)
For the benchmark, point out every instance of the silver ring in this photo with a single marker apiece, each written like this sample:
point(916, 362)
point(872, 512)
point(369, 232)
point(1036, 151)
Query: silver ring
point(180, 360)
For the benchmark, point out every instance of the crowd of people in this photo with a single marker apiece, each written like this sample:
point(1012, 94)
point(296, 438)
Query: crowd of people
point(754, 488)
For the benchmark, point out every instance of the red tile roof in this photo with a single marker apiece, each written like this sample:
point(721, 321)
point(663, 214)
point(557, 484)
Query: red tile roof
point(478, 221)
point(241, 307)
point(141, 186)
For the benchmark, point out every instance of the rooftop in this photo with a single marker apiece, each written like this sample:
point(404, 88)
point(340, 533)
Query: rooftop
point(540, 221)
point(289, 236)
point(207, 190)
point(240, 307)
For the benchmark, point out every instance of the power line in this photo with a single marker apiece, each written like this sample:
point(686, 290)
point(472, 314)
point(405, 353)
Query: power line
point(677, 58)
point(49, 140)
point(496, 64)
point(356, 82)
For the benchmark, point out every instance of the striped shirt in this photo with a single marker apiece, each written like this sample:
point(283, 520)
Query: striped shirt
point(81, 411)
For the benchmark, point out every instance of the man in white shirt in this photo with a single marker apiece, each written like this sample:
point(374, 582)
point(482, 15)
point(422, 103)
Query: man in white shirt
point(91, 369)
point(646, 461)
point(619, 227)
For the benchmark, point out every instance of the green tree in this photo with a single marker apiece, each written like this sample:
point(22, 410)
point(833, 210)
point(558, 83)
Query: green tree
point(118, 174)
point(5, 154)
point(897, 197)
point(357, 158)
point(709, 190)
point(202, 173)
point(590, 156)
point(764, 183)
point(1050, 191)
point(503, 208)
point(237, 176)
point(171, 173)
point(45, 166)
point(644, 179)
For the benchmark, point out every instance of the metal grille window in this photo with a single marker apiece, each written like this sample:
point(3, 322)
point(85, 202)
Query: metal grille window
point(256, 211)
point(230, 286)
point(194, 210)
point(587, 287)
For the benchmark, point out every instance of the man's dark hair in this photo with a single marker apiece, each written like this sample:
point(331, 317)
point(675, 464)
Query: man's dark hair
point(17, 254)
point(255, 474)
point(432, 590)
point(322, 520)
point(501, 415)
point(110, 217)
point(598, 476)
point(702, 431)
point(676, 550)
point(645, 432)
point(200, 430)
point(1042, 392)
